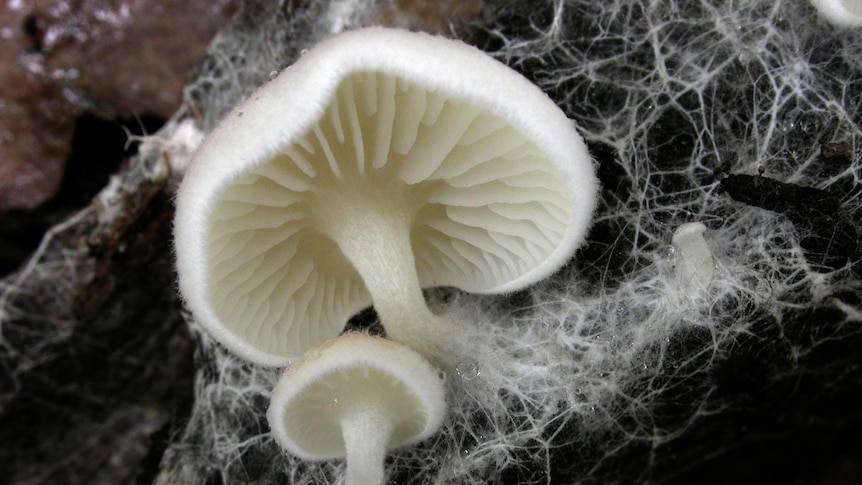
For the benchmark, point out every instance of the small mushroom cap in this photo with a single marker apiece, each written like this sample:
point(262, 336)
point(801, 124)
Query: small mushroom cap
point(687, 230)
point(348, 374)
point(496, 181)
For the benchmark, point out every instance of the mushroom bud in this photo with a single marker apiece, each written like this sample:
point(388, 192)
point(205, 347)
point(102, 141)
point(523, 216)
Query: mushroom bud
point(696, 266)
point(356, 396)
point(381, 163)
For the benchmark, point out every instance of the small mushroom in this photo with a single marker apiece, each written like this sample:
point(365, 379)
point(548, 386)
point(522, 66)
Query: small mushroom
point(696, 266)
point(843, 13)
point(356, 396)
point(381, 163)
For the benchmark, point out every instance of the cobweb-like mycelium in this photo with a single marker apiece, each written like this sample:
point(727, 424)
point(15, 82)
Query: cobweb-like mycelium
point(608, 371)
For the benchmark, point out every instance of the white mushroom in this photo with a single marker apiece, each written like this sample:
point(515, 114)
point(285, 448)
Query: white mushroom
point(356, 396)
point(695, 264)
point(381, 163)
point(843, 13)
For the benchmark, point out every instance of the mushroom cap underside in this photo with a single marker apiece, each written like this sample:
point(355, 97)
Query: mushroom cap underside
point(495, 179)
point(354, 373)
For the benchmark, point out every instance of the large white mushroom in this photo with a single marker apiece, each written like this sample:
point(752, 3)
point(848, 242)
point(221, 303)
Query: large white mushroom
point(356, 396)
point(381, 163)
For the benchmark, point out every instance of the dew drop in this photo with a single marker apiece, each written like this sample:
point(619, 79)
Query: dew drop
point(468, 369)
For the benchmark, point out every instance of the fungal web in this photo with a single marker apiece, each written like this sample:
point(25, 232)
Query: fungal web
point(602, 372)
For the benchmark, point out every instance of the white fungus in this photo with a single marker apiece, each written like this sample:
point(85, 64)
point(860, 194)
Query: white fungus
point(695, 265)
point(381, 163)
point(356, 396)
point(598, 374)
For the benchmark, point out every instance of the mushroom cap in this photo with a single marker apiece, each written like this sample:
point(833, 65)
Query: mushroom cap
point(350, 371)
point(843, 13)
point(696, 267)
point(501, 188)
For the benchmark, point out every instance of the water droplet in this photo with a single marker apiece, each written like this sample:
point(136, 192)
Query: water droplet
point(808, 123)
point(746, 56)
point(468, 369)
point(669, 251)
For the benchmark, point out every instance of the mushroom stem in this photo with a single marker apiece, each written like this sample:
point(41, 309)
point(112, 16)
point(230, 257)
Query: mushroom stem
point(377, 243)
point(696, 265)
point(366, 431)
